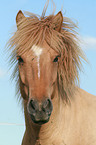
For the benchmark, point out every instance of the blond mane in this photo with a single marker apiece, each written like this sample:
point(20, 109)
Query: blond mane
point(34, 29)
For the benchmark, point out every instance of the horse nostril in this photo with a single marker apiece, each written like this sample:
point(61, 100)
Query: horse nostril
point(46, 103)
point(47, 106)
point(32, 106)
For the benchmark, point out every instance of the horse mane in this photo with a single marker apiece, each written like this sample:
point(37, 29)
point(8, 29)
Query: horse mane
point(35, 29)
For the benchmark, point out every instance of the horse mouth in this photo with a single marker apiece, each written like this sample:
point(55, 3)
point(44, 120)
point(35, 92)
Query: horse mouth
point(39, 121)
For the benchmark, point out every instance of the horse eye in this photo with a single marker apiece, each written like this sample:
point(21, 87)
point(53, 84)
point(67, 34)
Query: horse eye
point(56, 59)
point(20, 60)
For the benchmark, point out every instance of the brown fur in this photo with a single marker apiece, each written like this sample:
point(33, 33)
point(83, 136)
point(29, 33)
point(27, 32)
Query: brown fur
point(68, 125)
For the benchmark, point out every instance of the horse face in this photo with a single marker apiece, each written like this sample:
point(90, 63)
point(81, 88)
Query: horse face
point(38, 75)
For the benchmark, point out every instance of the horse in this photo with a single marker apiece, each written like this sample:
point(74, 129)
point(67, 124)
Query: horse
point(47, 60)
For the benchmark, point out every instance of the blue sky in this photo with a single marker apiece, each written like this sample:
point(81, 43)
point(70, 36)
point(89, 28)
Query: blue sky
point(81, 11)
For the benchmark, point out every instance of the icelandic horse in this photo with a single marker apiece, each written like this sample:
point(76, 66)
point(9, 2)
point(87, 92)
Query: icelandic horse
point(48, 60)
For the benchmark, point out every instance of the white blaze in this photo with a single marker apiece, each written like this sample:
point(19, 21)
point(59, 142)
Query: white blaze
point(38, 64)
point(37, 51)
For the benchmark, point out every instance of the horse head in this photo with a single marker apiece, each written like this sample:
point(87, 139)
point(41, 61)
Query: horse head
point(38, 67)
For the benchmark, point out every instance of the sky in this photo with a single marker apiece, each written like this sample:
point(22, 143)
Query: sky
point(83, 12)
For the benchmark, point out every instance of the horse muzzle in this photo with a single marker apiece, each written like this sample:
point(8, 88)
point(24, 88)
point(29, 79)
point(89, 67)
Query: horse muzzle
point(40, 112)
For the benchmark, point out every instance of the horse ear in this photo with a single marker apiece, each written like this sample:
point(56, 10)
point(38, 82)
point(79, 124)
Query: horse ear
point(19, 17)
point(57, 21)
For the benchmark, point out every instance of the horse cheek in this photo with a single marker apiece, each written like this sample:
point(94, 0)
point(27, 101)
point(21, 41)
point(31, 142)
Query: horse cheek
point(24, 91)
point(54, 74)
point(22, 75)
